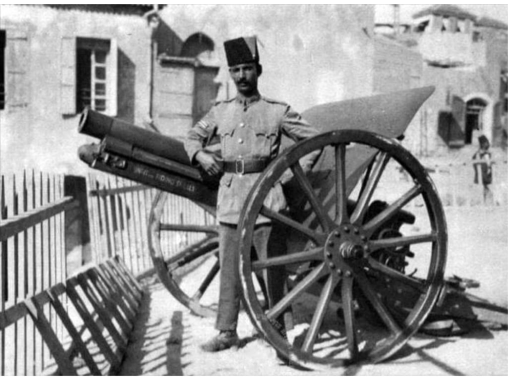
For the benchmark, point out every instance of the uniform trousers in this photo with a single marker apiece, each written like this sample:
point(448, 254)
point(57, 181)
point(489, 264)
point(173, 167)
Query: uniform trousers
point(268, 241)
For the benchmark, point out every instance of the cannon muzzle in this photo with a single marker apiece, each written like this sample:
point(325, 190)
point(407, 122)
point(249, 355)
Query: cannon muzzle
point(101, 126)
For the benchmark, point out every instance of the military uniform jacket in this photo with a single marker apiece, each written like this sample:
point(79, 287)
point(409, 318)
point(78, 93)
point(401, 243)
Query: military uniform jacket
point(248, 129)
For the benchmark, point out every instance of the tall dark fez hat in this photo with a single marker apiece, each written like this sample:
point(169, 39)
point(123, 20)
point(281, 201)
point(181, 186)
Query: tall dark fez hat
point(241, 50)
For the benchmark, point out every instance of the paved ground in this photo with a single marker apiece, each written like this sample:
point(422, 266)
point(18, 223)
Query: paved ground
point(167, 337)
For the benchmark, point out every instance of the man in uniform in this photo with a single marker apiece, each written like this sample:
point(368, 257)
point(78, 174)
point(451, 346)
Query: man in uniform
point(250, 128)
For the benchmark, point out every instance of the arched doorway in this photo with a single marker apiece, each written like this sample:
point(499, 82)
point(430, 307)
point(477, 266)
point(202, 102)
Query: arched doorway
point(184, 85)
point(475, 110)
point(196, 44)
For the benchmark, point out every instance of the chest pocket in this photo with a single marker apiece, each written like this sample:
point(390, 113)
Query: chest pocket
point(264, 139)
point(226, 133)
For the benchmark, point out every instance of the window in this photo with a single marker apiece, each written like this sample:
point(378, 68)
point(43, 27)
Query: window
point(474, 117)
point(88, 75)
point(92, 74)
point(477, 36)
point(2, 69)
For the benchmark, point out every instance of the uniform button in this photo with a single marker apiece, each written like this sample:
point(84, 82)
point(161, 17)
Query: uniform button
point(240, 141)
point(242, 124)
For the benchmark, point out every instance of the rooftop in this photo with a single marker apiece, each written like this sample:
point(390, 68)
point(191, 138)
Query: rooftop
point(491, 23)
point(445, 10)
point(122, 9)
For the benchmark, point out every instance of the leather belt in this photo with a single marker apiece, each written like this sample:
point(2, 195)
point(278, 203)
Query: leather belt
point(245, 166)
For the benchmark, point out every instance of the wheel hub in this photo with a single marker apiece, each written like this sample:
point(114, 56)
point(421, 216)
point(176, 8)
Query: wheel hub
point(345, 244)
point(350, 250)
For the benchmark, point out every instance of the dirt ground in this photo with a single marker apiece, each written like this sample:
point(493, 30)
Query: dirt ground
point(167, 337)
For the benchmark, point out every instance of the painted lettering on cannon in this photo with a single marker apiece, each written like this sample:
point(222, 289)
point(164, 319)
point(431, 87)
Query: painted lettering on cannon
point(160, 179)
point(172, 181)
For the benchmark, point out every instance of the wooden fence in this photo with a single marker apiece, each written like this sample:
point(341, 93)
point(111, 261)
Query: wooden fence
point(119, 210)
point(53, 224)
point(32, 259)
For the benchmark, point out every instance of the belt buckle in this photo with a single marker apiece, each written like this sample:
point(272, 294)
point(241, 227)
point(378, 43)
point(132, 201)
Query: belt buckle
point(242, 171)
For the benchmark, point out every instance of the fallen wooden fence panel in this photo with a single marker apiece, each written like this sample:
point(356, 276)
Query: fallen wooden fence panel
point(111, 291)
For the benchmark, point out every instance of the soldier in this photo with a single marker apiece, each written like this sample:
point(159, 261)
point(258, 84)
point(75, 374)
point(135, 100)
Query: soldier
point(250, 127)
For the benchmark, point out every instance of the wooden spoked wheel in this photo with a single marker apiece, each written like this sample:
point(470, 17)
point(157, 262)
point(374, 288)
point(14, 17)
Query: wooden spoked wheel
point(185, 252)
point(366, 251)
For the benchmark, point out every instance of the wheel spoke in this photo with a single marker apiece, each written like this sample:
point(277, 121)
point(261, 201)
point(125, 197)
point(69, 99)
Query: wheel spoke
point(292, 258)
point(376, 302)
point(368, 191)
point(207, 281)
point(191, 253)
point(271, 214)
point(393, 274)
point(391, 210)
point(341, 216)
point(311, 196)
point(401, 241)
point(317, 318)
point(189, 228)
point(349, 318)
point(301, 287)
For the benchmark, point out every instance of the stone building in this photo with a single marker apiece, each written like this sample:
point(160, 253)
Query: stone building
point(465, 58)
point(164, 66)
point(57, 59)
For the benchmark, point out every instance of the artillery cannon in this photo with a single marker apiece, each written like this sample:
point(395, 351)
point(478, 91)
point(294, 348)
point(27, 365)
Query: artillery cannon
point(364, 237)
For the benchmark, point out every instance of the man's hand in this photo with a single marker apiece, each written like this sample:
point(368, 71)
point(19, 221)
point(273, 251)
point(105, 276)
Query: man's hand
point(208, 162)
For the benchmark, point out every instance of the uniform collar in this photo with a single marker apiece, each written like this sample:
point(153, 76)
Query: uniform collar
point(247, 101)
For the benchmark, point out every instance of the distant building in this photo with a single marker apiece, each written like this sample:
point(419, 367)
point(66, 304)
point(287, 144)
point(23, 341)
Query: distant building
point(59, 59)
point(164, 66)
point(466, 58)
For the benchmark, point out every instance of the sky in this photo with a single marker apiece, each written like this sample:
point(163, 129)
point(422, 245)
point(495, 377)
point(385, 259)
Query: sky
point(384, 12)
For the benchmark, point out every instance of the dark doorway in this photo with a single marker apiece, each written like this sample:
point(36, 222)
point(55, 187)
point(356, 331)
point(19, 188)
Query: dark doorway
point(474, 117)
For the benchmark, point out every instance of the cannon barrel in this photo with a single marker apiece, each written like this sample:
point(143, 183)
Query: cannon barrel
point(101, 126)
point(144, 156)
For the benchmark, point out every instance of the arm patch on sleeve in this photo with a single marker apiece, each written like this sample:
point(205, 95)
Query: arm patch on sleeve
point(203, 124)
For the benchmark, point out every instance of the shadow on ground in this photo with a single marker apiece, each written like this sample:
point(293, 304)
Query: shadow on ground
point(156, 342)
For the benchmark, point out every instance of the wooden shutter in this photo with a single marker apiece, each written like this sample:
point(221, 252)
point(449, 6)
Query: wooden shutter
point(205, 91)
point(458, 123)
point(498, 114)
point(112, 73)
point(18, 57)
point(459, 111)
point(68, 75)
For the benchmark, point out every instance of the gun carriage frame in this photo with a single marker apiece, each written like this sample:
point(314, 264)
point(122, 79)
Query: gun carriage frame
point(361, 277)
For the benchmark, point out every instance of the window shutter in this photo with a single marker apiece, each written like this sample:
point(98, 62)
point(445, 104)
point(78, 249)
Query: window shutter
point(112, 71)
point(498, 114)
point(459, 111)
point(458, 122)
point(18, 57)
point(68, 75)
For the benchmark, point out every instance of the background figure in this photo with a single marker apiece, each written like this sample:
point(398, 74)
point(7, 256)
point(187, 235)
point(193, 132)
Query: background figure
point(482, 164)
